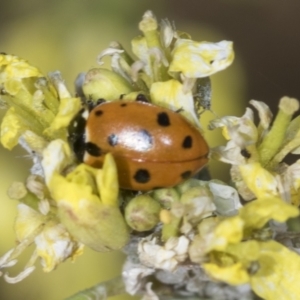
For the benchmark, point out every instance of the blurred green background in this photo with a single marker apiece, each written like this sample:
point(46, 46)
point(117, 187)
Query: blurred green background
point(68, 35)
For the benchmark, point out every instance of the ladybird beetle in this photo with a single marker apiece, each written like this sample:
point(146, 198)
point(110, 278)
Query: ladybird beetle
point(153, 147)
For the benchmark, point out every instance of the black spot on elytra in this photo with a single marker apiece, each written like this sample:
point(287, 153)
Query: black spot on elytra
point(123, 105)
point(98, 113)
point(141, 98)
point(92, 149)
point(245, 153)
point(186, 174)
point(113, 140)
point(163, 119)
point(142, 176)
point(187, 142)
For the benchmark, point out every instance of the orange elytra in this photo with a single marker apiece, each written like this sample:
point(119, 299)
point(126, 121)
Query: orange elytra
point(153, 147)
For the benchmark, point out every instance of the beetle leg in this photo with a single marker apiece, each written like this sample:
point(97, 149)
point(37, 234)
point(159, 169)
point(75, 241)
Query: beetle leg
point(92, 104)
point(100, 101)
point(179, 110)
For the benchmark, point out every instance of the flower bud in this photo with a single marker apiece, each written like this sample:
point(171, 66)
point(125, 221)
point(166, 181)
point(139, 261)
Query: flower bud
point(142, 213)
point(165, 197)
point(186, 185)
point(18, 191)
point(197, 249)
point(198, 203)
point(207, 225)
point(104, 84)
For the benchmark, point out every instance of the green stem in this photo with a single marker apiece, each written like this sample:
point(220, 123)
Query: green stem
point(149, 26)
point(101, 290)
point(274, 139)
point(18, 191)
point(171, 229)
point(288, 148)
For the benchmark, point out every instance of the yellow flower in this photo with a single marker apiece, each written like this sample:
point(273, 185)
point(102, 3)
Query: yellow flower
point(168, 64)
point(13, 126)
point(87, 199)
point(256, 152)
point(86, 212)
point(170, 94)
point(104, 84)
point(257, 213)
point(38, 107)
point(229, 231)
point(53, 243)
point(291, 176)
point(278, 275)
point(68, 108)
point(196, 60)
point(271, 269)
point(262, 264)
point(66, 205)
point(16, 68)
point(234, 274)
point(259, 180)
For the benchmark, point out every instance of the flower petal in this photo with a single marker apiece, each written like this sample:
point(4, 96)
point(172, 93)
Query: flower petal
point(278, 274)
point(79, 206)
point(225, 198)
point(202, 59)
point(234, 274)
point(259, 180)
point(54, 245)
point(257, 213)
point(170, 94)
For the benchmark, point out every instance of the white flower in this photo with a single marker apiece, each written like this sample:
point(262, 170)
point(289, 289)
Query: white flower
point(166, 257)
point(225, 198)
point(133, 276)
point(52, 241)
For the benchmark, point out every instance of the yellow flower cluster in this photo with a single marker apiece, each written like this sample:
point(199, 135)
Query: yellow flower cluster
point(256, 152)
point(65, 206)
point(243, 254)
point(65, 200)
point(237, 257)
point(169, 64)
